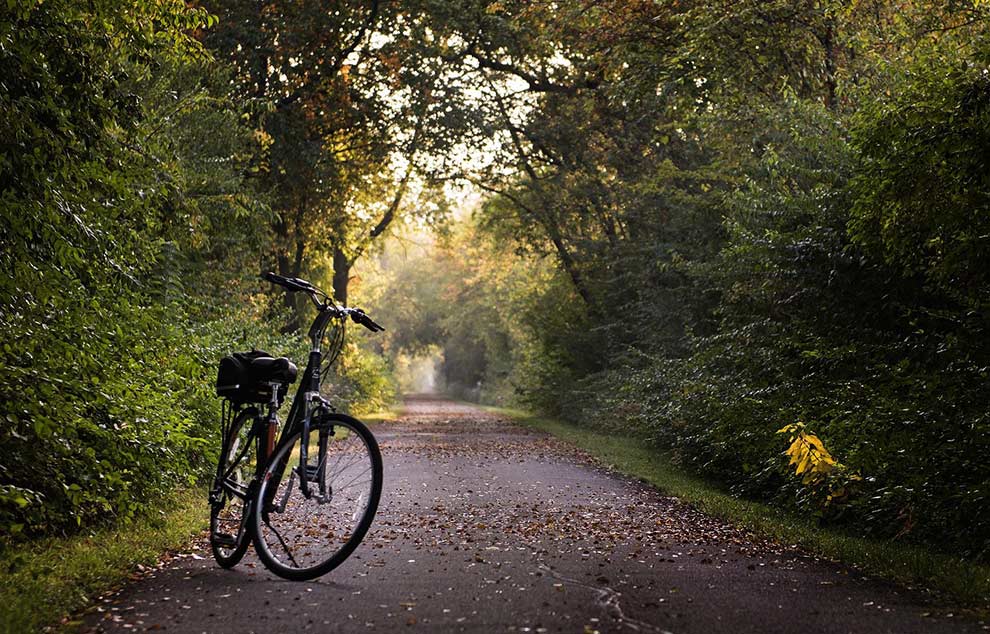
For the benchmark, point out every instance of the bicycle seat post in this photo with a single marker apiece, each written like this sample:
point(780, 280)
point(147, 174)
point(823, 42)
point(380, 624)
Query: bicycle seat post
point(271, 422)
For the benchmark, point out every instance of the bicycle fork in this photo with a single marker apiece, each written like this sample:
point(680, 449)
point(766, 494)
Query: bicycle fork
point(315, 473)
point(309, 474)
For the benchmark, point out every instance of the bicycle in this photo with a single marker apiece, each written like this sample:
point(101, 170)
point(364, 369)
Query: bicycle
point(307, 498)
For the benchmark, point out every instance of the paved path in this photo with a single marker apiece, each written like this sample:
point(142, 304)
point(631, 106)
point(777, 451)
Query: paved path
point(486, 527)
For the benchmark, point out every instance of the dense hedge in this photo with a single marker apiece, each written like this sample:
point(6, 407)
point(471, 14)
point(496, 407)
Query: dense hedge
point(131, 240)
point(853, 299)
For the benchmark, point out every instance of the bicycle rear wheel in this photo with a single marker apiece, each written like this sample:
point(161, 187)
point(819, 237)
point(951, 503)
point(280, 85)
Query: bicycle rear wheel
point(229, 537)
point(301, 537)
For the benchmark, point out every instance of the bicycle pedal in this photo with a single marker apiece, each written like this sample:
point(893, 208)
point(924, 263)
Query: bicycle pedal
point(224, 540)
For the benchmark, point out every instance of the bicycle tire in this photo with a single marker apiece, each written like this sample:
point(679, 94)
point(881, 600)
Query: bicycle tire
point(269, 541)
point(222, 500)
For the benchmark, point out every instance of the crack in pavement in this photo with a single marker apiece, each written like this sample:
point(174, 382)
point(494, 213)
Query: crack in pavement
point(608, 599)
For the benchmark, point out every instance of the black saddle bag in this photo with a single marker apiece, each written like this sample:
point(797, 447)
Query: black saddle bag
point(241, 380)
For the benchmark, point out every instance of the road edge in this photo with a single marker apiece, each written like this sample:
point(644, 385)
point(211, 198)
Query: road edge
point(946, 579)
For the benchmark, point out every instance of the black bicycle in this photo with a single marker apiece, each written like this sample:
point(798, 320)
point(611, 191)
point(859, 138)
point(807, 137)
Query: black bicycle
point(306, 496)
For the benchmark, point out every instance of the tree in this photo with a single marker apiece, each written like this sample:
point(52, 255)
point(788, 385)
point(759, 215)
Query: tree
point(292, 59)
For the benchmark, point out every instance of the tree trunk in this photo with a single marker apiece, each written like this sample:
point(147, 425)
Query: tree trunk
point(341, 275)
point(828, 43)
point(286, 268)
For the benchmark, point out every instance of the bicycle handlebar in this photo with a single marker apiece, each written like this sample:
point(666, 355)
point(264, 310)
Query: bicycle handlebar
point(294, 284)
point(290, 283)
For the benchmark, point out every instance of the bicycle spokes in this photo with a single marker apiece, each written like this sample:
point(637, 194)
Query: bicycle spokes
point(321, 505)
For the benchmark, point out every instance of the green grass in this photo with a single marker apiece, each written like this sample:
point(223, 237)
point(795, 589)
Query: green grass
point(957, 580)
point(375, 418)
point(45, 581)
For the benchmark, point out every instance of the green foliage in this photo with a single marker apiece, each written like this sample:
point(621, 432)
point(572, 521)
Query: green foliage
point(455, 297)
point(812, 328)
point(759, 213)
point(923, 188)
point(121, 231)
point(362, 381)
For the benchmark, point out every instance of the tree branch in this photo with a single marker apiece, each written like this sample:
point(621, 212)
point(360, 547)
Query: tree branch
point(339, 61)
point(535, 83)
point(549, 224)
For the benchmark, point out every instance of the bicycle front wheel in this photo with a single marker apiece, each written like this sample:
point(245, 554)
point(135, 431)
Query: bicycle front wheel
point(310, 517)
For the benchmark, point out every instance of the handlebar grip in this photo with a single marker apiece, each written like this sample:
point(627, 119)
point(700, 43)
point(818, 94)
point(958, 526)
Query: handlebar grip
point(373, 327)
point(290, 283)
point(360, 317)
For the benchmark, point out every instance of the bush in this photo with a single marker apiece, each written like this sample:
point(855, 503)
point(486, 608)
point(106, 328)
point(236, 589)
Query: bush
point(884, 361)
point(114, 305)
point(361, 382)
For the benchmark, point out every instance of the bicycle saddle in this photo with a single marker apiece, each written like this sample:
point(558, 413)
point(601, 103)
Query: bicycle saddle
point(273, 370)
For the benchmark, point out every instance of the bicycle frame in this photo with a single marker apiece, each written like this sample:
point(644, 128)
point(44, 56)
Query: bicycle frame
point(306, 401)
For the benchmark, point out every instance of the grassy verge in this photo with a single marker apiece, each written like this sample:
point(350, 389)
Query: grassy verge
point(958, 580)
point(44, 581)
point(374, 418)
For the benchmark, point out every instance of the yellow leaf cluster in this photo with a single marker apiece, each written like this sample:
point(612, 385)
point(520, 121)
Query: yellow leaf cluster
point(808, 455)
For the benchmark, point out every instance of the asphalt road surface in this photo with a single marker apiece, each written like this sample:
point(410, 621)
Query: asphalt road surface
point(487, 527)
